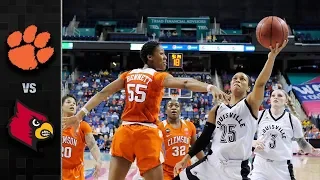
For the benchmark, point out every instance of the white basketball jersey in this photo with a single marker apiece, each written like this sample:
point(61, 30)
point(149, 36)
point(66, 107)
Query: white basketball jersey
point(235, 129)
point(277, 133)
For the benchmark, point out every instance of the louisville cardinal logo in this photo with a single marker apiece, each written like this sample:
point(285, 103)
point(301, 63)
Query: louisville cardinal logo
point(28, 126)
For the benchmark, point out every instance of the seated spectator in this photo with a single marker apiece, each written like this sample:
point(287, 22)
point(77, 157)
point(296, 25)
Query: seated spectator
point(107, 142)
point(101, 143)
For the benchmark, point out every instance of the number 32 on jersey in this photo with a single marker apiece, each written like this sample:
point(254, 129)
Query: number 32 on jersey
point(66, 152)
point(137, 92)
point(178, 151)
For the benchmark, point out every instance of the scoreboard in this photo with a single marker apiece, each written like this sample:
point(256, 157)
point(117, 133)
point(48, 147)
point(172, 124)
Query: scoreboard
point(175, 60)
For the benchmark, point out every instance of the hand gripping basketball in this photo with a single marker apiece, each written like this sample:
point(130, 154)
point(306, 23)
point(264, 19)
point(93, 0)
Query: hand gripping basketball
point(275, 51)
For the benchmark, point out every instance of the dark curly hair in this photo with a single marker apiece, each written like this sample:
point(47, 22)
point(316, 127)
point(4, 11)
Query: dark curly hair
point(148, 49)
point(64, 98)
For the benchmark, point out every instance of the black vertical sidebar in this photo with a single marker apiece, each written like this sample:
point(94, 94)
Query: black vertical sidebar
point(32, 97)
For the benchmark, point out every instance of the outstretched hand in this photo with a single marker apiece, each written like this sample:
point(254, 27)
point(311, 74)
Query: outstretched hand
point(220, 96)
point(73, 122)
point(275, 51)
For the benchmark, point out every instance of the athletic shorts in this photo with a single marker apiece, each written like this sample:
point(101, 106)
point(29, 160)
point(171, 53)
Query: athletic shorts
point(211, 168)
point(264, 169)
point(76, 173)
point(139, 142)
point(167, 172)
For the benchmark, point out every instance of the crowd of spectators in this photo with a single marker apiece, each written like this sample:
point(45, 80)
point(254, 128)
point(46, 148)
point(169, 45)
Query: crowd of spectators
point(105, 119)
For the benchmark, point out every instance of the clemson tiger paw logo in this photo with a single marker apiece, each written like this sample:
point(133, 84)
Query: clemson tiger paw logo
point(29, 49)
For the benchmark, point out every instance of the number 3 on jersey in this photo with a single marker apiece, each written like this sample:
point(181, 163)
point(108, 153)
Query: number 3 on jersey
point(66, 152)
point(178, 151)
point(137, 92)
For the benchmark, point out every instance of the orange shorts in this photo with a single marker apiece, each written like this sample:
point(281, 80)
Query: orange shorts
point(167, 172)
point(139, 142)
point(76, 173)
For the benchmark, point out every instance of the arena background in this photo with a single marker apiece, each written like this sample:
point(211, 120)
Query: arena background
point(206, 40)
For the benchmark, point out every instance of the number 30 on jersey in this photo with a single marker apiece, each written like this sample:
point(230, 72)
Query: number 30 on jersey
point(66, 152)
point(137, 92)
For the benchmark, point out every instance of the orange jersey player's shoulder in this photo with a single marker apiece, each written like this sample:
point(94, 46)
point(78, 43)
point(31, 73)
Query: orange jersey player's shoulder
point(85, 127)
point(144, 91)
point(191, 127)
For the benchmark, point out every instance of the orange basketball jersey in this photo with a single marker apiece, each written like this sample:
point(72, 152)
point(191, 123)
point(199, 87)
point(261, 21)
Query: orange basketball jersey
point(177, 141)
point(73, 146)
point(144, 90)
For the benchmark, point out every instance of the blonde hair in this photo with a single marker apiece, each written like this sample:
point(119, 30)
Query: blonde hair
point(289, 104)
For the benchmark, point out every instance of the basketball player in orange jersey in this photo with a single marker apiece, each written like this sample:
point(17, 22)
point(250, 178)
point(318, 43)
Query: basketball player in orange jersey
point(73, 146)
point(138, 136)
point(178, 135)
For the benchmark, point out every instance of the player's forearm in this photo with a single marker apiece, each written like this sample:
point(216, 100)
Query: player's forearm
point(200, 155)
point(304, 145)
point(203, 141)
point(265, 74)
point(95, 151)
point(93, 147)
point(93, 102)
point(197, 86)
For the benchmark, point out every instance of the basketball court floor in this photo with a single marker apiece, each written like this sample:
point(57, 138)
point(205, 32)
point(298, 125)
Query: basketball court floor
point(305, 167)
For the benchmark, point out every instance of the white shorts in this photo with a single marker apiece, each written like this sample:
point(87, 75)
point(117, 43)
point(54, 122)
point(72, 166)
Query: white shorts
point(264, 169)
point(211, 168)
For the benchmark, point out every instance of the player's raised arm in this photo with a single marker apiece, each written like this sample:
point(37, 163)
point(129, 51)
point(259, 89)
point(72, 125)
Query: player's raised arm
point(255, 98)
point(194, 85)
point(107, 91)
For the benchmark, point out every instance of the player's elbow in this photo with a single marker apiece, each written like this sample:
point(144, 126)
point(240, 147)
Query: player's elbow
point(187, 84)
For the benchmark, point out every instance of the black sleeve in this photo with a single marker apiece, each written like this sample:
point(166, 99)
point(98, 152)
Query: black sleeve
point(204, 139)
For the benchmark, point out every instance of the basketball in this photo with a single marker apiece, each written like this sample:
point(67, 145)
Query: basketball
point(272, 30)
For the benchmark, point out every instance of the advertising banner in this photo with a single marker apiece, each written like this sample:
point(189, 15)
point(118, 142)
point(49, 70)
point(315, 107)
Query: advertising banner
point(309, 97)
point(202, 24)
point(199, 47)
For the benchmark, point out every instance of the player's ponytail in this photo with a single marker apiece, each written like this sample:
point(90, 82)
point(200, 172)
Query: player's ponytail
point(290, 105)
